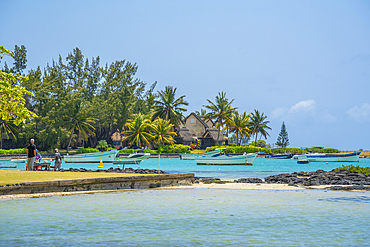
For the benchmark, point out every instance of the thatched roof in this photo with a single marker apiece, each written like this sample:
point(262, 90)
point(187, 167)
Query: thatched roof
point(214, 133)
point(116, 136)
point(185, 135)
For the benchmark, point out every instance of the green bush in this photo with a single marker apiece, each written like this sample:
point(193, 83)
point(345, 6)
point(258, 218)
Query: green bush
point(329, 150)
point(352, 168)
point(288, 150)
point(87, 150)
point(13, 151)
point(176, 148)
point(130, 150)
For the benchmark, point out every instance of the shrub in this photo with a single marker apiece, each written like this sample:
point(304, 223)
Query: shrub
point(130, 150)
point(352, 168)
point(87, 150)
point(330, 150)
point(176, 148)
point(13, 151)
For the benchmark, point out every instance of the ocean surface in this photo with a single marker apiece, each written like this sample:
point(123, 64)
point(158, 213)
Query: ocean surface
point(193, 217)
point(189, 217)
point(261, 168)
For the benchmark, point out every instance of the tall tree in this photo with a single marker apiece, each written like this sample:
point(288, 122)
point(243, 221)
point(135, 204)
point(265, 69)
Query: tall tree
point(258, 124)
point(161, 132)
point(202, 112)
point(220, 110)
point(137, 132)
point(76, 119)
point(283, 140)
point(238, 124)
point(20, 59)
point(12, 102)
point(169, 107)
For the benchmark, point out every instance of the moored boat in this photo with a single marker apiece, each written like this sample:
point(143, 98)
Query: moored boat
point(139, 155)
point(108, 156)
point(18, 160)
point(319, 157)
point(225, 159)
point(206, 154)
point(279, 156)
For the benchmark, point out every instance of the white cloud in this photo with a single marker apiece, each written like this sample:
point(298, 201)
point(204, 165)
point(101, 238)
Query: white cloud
point(360, 114)
point(277, 113)
point(304, 105)
point(326, 116)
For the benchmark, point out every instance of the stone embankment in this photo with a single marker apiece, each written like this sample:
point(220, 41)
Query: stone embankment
point(116, 170)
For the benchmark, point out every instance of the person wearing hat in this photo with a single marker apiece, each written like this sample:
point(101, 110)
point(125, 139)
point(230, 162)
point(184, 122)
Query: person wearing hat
point(58, 160)
point(31, 153)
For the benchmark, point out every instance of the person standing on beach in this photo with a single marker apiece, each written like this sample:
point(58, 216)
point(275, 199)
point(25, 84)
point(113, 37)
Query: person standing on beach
point(58, 160)
point(31, 153)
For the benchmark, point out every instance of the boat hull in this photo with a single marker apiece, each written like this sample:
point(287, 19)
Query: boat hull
point(246, 159)
point(279, 156)
point(141, 156)
point(108, 156)
point(193, 156)
point(352, 157)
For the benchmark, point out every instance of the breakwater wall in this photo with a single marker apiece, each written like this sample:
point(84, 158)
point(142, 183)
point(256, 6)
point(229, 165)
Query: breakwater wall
point(106, 183)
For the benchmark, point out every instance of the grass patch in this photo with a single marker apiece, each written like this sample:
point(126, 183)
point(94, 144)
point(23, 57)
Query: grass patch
point(14, 177)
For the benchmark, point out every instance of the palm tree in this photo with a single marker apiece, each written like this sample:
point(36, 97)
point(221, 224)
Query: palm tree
point(168, 107)
point(220, 110)
point(258, 125)
point(138, 130)
point(202, 112)
point(239, 123)
point(7, 127)
point(161, 131)
point(80, 122)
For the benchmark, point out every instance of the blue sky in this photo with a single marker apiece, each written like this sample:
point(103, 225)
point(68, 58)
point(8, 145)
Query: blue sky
point(303, 62)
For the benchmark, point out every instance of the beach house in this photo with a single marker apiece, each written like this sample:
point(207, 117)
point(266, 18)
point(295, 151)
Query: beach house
point(196, 127)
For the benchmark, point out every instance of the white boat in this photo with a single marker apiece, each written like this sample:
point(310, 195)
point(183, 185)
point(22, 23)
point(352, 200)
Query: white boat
point(225, 159)
point(139, 155)
point(108, 156)
point(319, 157)
point(18, 160)
point(207, 154)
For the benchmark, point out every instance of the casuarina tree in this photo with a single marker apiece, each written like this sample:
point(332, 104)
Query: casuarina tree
point(283, 140)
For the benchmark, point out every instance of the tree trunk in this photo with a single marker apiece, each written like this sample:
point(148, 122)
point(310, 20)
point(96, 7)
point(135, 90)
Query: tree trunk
point(255, 142)
point(70, 139)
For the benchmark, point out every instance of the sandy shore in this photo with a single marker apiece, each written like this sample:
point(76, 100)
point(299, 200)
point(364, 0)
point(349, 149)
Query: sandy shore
point(238, 186)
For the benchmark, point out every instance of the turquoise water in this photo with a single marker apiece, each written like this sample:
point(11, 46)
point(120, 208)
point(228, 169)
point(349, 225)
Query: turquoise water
point(189, 217)
point(261, 168)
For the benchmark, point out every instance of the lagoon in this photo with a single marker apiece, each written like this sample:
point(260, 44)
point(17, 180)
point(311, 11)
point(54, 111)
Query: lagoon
point(261, 168)
point(189, 217)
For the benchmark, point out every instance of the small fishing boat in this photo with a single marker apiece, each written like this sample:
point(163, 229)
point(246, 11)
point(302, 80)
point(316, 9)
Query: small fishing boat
point(319, 157)
point(304, 161)
point(139, 155)
point(207, 154)
point(8, 165)
point(225, 159)
point(108, 156)
point(18, 160)
point(279, 156)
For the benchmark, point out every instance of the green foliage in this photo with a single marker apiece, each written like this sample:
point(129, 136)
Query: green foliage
point(168, 107)
point(176, 148)
point(352, 168)
point(240, 149)
point(102, 144)
point(288, 150)
point(87, 150)
point(329, 150)
point(261, 144)
point(238, 123)
point(13, 151)
point(258, 124)
point(283, 140)
point(12, 92)
point(130, 151)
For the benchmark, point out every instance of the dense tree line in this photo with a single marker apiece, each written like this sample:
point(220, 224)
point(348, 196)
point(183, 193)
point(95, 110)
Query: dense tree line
point(77, 95)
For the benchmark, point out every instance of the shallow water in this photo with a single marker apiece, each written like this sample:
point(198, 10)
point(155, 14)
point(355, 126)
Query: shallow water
point(261, 168)
point(189, 217)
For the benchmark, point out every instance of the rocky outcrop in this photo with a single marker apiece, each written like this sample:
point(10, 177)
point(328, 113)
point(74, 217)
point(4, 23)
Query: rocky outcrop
point(320, 177)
